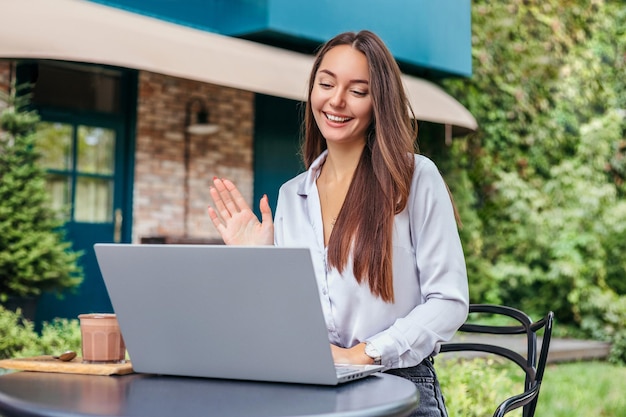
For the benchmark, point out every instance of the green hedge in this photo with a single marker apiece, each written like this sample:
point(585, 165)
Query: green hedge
point(18, 337)
point(35, 256)
point(541, 187)
point(474, 388)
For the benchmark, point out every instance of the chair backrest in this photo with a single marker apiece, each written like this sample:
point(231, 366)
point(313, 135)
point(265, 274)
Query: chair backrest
point(533, 364)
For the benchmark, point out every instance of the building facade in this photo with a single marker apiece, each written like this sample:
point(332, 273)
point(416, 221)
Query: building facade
point(151, 176)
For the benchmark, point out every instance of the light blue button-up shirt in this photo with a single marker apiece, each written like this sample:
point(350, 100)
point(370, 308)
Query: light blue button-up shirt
point(429, 274)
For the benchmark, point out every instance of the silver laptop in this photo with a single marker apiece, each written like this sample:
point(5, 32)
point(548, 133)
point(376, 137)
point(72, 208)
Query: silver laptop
point(236, 312)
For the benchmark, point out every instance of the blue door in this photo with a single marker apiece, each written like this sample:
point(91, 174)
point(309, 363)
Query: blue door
point(276, 146)
point(87, 144)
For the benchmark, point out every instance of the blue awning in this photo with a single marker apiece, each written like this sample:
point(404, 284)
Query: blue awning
point(82, 31)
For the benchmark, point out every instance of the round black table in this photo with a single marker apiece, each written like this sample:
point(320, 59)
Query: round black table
point(55, 395)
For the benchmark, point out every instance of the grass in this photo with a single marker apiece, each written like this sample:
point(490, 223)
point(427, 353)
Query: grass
point(578, 389)
point(583, 389)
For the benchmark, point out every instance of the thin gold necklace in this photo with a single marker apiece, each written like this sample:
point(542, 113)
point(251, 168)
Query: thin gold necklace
point(333, 221)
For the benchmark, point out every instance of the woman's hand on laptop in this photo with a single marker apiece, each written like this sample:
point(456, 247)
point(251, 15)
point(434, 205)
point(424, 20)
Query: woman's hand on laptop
point(353, 356)
point(234, 219)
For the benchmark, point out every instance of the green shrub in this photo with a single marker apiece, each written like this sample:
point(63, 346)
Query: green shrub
point(16, 334)
point(541, 187)
point(34, 253)
point(603, 316)
point(18, 337)
point(56, 337)
point(474, 388)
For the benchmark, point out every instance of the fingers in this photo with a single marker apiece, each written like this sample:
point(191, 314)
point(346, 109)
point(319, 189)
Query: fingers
point(266, 211)
point(233, 218)
point(214, 218)
point(236, 198)
point(336, 353)
point(223, 198)
point(217, 199)
point(227, 198)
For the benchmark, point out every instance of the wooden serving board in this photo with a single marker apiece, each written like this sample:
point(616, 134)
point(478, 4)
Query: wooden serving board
point(75, 366)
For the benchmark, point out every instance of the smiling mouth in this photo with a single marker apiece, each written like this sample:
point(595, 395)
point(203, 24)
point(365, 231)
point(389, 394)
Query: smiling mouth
point(337, 119)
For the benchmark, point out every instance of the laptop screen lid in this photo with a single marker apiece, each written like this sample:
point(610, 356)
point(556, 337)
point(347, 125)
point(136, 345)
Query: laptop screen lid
point(237, 312)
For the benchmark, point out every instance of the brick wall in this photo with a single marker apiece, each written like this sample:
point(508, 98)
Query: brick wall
point(158, 207)
point(158, 191)
point(5, 73)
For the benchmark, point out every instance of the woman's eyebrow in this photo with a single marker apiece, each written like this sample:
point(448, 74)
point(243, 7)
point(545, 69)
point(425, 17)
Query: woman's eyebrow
point(332, 74)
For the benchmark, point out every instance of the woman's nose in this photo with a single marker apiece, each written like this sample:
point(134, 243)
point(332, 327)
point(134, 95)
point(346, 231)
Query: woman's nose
point(337, 99)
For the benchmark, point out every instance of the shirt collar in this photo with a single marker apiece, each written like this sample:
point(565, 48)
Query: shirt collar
point(308, 181)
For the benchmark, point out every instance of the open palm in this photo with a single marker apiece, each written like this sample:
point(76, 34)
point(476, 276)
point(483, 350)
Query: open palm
point(234, 220)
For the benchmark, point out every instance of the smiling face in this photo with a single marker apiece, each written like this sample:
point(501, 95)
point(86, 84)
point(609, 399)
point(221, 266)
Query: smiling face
point(340, 98)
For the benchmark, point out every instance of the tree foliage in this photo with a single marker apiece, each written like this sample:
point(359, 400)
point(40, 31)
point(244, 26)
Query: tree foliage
point(18, 337)
point(541, 186)
point(34, 255)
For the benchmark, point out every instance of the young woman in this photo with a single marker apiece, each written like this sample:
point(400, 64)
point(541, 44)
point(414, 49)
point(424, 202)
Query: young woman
point(377, 217)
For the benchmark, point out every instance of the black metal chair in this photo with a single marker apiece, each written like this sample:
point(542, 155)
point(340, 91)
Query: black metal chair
point(533, 364)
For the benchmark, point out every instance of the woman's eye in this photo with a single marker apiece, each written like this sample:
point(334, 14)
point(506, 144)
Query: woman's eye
point(325, 85)
point(359, 93)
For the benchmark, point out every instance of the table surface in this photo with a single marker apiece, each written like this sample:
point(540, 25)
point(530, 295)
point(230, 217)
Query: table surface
point(56, 394)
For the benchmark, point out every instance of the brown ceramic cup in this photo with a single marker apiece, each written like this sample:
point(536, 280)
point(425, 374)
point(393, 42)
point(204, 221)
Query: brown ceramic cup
point(102, 340)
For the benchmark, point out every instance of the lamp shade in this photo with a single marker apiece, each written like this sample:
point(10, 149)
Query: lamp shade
point(199, 125)
point(202, 128)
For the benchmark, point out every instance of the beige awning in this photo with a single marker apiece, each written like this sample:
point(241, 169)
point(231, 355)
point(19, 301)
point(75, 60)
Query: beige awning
point(82, 31)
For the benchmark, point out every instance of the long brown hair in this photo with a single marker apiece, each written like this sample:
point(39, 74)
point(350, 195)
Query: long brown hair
point(382, 180)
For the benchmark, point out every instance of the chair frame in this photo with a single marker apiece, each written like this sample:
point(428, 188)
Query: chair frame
point(533, 364)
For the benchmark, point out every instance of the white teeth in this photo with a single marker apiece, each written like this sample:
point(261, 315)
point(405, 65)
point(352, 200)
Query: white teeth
point(336, 118)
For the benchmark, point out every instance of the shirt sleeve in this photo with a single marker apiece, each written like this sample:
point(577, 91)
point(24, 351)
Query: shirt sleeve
point(441, 273)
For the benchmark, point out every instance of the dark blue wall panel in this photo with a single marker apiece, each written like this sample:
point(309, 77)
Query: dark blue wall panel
point(431, 36)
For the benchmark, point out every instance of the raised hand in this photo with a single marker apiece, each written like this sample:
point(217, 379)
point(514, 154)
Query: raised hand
point(234, 219)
